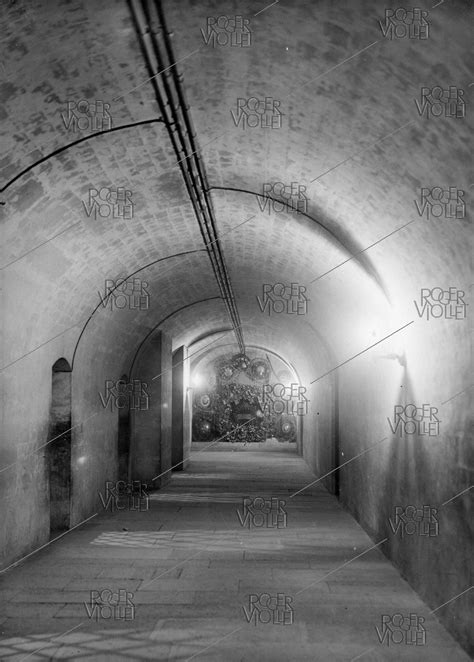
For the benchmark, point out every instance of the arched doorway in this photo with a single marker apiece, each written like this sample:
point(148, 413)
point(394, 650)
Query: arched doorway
point(59, 449)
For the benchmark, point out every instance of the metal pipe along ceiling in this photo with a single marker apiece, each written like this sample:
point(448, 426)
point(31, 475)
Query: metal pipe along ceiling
point(155, 44)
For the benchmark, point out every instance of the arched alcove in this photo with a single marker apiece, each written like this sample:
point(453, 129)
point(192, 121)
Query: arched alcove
point(59, 448)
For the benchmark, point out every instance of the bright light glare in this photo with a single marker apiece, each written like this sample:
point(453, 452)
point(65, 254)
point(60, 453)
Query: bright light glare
point(197, 380)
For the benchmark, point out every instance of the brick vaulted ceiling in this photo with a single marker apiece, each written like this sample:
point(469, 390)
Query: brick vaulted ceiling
point(350, 133)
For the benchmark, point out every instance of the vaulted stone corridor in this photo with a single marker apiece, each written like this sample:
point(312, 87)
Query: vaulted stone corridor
point(235, 355)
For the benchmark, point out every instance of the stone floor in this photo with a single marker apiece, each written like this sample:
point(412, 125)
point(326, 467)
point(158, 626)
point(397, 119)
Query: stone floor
point(189, 567)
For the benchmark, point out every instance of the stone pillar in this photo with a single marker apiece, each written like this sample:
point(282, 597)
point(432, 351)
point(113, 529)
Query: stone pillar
point(188, 416)
point(181, 434)
point(151, 427)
